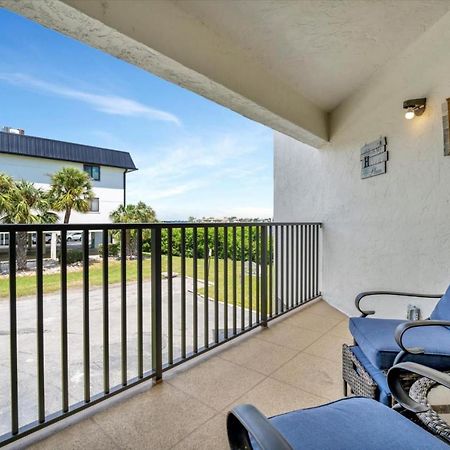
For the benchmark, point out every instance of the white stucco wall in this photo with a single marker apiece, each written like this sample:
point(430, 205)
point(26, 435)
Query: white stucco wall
point(109, 189)
point(391, 231)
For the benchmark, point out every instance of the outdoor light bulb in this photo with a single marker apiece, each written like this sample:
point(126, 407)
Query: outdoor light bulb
point(409, 114)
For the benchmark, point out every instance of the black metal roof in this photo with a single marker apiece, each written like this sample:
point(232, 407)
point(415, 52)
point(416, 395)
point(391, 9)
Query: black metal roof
point(38, 147)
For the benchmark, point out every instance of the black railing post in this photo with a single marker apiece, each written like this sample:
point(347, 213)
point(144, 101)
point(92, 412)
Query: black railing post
point(123, 305)
point(140, 306)
point(40, 325)
point(86, 319)
point(156, 304)
point(183, 292)
point(105, 311)
point(263, 276)
point(169, 295)
point(195, 288)
point(317, 259)
point(13, 334)
point(64, 329)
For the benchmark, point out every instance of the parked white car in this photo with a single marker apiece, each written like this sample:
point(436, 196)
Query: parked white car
point(75, 236)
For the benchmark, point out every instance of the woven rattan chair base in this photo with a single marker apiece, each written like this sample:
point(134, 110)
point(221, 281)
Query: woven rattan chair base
point(356, 377)
point(430, 419)
point(359, 380)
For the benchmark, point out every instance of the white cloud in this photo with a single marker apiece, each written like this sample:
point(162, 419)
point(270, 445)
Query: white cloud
point(213, 176)
point(223, 154)
point(159, 192)
point(190, 166)
point(107, 103)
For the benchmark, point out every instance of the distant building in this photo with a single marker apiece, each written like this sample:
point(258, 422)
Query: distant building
point(232, 219)
point(35, 159)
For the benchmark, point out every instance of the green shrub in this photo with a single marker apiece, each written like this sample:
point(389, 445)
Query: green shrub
point(73, 256)
point(113, 250)
point(222, 251)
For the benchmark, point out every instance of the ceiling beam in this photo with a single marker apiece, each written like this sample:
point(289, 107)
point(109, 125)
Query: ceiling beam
point(163, 39)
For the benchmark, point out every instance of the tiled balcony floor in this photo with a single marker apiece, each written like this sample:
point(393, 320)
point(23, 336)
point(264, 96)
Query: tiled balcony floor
point(292, 364)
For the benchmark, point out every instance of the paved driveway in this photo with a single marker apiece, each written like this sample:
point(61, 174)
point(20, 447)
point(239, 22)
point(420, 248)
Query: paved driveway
point(26, 311)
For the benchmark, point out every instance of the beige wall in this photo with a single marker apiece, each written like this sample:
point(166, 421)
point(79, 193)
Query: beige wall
point(390, 231)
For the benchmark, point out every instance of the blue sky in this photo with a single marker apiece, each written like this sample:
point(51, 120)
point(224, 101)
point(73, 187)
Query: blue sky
point(195, 158)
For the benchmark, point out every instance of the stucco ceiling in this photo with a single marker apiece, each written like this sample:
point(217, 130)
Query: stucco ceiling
point(323, 48)
point(284, 63)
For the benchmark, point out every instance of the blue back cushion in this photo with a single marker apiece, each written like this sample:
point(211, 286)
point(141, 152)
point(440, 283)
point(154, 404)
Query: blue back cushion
point(442, 309)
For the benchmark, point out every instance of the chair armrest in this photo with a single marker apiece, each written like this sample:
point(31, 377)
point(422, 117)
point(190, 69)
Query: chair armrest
point(399, 393)
point(404, 327)
point(360, 296)
point(246, 419)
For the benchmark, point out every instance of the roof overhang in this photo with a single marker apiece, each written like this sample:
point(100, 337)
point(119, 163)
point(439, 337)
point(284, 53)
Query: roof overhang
point(285, 64)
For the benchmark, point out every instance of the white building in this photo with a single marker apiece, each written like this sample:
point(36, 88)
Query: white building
point(35, 159)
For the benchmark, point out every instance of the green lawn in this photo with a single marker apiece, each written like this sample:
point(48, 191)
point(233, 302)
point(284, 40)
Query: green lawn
point(26, 285)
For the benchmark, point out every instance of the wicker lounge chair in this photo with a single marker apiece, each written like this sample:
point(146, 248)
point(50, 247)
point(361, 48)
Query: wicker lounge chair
point(380, 343)
point(349, 423)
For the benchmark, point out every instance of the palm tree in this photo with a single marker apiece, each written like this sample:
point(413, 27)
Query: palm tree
point(140, 213)
point(22, 202)
point(6, 184)
point(71, 189)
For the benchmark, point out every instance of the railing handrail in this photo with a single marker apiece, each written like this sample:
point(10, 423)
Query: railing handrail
point(118, 226)
point(241, 276)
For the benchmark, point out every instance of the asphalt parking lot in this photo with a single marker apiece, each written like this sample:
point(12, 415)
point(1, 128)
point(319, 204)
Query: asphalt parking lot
point(27, 361)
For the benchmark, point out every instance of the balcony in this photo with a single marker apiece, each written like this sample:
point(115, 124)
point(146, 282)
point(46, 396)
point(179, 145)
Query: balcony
point(293, 363)
point(150, 349)
point(96, 336)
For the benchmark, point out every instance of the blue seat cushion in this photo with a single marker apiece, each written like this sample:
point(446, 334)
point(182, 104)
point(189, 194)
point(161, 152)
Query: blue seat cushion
point(376, 339)
point(377, 375)
point(353, 423)
point(442, 309)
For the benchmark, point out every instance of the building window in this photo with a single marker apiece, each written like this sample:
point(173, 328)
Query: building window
point(94, 205)
point(92, 171)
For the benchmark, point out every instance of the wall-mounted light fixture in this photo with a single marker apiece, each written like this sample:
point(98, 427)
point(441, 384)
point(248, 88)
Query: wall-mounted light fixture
point(414, 107)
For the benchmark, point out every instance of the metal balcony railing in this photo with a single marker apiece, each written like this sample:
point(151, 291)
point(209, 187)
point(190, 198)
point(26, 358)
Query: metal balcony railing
point(180, 291)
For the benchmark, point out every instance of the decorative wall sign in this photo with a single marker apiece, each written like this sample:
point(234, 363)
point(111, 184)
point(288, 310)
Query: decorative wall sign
point(445, 126)
point(373, 158)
